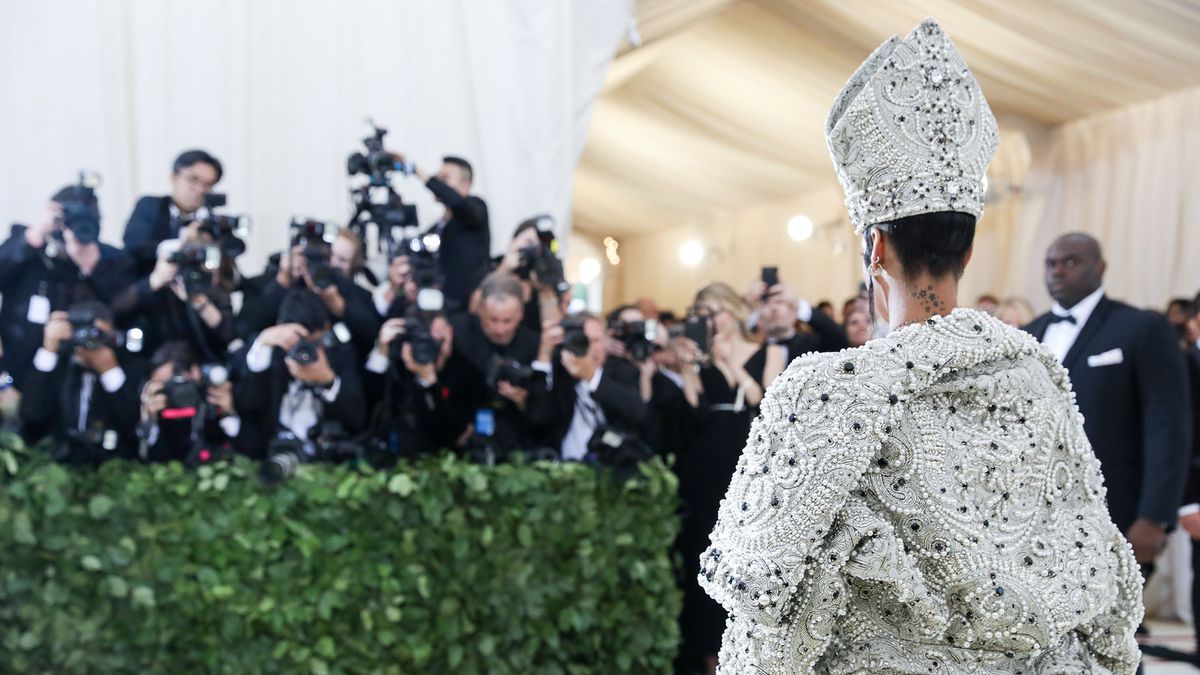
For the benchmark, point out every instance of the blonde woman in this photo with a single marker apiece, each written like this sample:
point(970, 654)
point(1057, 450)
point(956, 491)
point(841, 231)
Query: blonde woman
point(728, 402)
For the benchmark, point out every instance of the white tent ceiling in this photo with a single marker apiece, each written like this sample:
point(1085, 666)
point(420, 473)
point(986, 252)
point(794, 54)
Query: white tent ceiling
point(721, 108)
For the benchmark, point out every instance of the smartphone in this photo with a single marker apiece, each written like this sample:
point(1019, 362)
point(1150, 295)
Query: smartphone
point(695, 328)
point(770, 276)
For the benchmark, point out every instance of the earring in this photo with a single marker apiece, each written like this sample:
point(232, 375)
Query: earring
point(876, 268)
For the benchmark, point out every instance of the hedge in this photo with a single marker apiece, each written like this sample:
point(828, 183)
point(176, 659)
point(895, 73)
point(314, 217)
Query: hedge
point(436, 566)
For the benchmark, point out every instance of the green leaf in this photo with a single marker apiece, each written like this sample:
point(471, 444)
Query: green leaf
point(524, 535)
point(326, 648)
point(143, 596)
point(91, 563)
point(402, 485)
point(23, 529)
point(117, 587)
point(221, 482)
point(100, 506)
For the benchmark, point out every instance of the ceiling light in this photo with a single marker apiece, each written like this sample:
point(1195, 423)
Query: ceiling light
point(691, 253)
point(800, 228)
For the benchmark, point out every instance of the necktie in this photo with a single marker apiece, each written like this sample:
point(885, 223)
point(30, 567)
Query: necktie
point(1055, 318)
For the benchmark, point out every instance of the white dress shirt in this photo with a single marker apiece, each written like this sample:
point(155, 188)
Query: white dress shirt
point(298, 411)
point(112, 380)
point(585, 420)
point(1060, 336)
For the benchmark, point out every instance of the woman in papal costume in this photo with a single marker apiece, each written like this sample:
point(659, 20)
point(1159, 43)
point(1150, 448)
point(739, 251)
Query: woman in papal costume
point(928, 502)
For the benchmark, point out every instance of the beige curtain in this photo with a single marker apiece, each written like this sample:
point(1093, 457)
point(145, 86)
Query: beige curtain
point(1131, 178)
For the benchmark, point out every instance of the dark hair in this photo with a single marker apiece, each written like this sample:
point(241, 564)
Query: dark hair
point(177, 353)
point(462, 164)
point(936, 243)
point(306, 308)
point(97, 308)
point(71, 193)
point(1182, 303)
point(189, 157)
point(528, 224)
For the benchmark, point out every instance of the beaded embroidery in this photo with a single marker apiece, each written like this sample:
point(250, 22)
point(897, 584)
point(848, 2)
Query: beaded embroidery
point(911, 132)
point(925, 503)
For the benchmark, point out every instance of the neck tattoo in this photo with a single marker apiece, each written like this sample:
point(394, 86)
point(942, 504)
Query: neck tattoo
point(929, 300)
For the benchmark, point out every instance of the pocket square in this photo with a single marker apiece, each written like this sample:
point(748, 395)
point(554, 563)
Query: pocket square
point(1109, 358)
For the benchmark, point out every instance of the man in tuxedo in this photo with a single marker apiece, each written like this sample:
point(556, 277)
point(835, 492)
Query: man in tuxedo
point(156, 219)
point(489, 349)
point(583, 392)
point(46, 267)
point(82, 389)
point(278, 389)
point(184, 415)
point(1130, 383)
point(780, 314)
point(466, 237)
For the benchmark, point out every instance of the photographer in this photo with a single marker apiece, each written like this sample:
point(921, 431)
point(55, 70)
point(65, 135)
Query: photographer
point(466, 238)
point(778, 313)
point(186, 409)
point(82, 389)
point(180, 300)
point(410, 405)
point(157, 219)
point(580, 395)
point(46, 266)
point(531, 256)
point(489, 372)
point(399, 292)
point(309, 263)
point(296, 375)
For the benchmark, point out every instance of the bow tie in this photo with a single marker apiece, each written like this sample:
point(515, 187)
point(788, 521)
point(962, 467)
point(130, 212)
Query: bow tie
point(1055, 318)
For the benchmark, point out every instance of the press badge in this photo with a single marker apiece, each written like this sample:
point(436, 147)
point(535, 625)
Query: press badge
point(39, 310)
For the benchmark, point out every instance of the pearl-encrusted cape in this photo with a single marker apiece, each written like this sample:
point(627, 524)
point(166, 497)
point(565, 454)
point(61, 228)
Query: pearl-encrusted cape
point(926, 503)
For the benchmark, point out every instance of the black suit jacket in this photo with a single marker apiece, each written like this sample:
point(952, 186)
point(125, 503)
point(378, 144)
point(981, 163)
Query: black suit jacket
point(51, 405)
point(465, 375)
point(1192, 492)
point(1137, 413)
point(257, 397)
point(25, 272)
point(618, 394)
point(148, 225)
point(466, 243)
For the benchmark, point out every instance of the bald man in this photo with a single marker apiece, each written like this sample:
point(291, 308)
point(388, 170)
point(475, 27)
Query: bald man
point(1130, 381)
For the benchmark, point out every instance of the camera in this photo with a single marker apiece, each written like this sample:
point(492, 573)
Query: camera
point(512, 372)
point(227, 231)
point(81, 210)
point(287, 451)
point(316, 237)
point(575, 339)
point(541, 259)
point(183, 397)
point(197, 264)
point(376, 163)
point(85, 334)
point(619, 449)
point(418, 328)
point(639, 337)
point(305, 351)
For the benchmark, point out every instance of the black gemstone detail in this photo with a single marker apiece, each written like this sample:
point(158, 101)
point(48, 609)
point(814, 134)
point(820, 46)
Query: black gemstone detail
point(848, 367)
point(893, 399)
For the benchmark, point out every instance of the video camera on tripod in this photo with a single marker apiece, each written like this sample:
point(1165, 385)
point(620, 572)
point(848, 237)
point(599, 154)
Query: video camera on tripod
point(377, 202)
